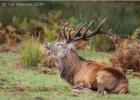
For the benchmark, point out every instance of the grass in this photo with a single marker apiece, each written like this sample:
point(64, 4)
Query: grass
point(27, 84)
point(92, 55)
point(30, 51)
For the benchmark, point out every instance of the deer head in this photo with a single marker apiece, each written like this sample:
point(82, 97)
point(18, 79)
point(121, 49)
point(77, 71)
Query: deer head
point(59, 49)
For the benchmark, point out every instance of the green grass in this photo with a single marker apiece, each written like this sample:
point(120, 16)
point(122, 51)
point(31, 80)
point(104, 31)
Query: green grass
point(92, 55)
point(30, 51)
point(54, 87)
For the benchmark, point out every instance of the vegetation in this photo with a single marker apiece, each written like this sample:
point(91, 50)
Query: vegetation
point(115, 12)
point(30, 51)
point(51, 13)
point(127, 54)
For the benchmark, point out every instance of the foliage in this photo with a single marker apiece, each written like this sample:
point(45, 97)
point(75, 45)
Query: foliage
point(30, 51)
point(73, 21)
point(83, 11)
point(8, 13)
point(127, 54)
point(52, 26)
point(8, 38)
point(116, 19)
point(136, 34)
point(114, 12)
point(93, 55)
point(50, 35)
point(75, 12)
point(102, 43)
point(22, 25)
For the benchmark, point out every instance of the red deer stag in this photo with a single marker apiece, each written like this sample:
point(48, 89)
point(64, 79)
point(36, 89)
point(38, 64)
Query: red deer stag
point(84, 74)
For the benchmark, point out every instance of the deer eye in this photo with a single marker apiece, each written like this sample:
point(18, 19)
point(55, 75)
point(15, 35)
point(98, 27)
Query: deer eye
point(59, 44)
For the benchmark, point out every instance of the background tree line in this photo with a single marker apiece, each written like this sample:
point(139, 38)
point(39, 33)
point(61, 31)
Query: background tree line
point(122, 17)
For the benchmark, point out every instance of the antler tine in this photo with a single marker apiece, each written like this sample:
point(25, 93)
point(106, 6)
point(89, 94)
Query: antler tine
point(97, 30)
point(62, 31)
point(75, 38)
point(69, 36)
point(78, 34)
point(83, 36)
point(78, 30)
point(108, 32)
point(88, 27)
point(59, 27)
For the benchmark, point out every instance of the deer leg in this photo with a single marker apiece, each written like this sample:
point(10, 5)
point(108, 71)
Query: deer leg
point(101, 89)
point(80, 87)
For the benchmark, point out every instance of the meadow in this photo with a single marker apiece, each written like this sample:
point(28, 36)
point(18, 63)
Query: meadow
point(19, 83)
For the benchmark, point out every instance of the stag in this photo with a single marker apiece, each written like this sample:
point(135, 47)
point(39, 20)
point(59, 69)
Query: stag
point(81, 73)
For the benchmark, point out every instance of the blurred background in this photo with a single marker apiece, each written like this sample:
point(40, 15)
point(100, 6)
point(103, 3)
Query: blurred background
point(122, 17)
point(21, 21)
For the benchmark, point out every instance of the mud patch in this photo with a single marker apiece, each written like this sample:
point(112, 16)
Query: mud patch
point(3, 81)
point(38, 98)
point(47, 70)
point(46, 88)
point(19, 88)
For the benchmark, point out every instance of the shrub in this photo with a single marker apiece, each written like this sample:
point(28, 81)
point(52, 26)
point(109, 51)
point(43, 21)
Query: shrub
point(52, 25)
point(30, 51)
point(73, 21)
point(50, 34)
point(102, 43)
point(8, 38)
point(127, 54)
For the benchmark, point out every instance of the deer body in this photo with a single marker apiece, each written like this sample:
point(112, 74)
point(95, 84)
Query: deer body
point(81, 73)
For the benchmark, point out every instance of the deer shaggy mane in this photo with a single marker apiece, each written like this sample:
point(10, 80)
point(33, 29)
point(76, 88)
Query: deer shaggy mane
point(70, 66)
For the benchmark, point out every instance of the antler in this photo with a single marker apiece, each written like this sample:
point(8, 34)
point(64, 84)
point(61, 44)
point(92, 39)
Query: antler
point(82, 36)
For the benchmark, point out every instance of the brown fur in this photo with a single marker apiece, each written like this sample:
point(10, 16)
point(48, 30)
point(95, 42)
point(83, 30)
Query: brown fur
point(112, 81)
point(82, 73)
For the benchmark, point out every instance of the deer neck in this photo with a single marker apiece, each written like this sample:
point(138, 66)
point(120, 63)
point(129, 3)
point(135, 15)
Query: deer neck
point(69, 66)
